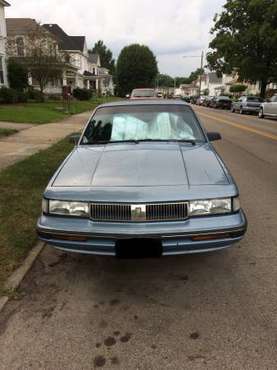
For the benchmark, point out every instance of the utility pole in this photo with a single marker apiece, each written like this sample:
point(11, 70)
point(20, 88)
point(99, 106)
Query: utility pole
point(200, 77)
point(201, 66)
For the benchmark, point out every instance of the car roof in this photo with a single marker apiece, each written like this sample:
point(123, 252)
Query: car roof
point(143, 102)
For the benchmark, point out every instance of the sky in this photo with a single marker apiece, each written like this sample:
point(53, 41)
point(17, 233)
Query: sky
point(171, 28)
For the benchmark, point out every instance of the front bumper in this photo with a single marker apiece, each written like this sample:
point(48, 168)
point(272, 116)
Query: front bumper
point(194, 235)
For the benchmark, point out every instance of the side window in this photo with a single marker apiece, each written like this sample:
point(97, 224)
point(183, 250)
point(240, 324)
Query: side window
point(274, 99)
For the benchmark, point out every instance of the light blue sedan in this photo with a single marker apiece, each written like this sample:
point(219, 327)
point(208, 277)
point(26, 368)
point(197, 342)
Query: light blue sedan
point(143, 178)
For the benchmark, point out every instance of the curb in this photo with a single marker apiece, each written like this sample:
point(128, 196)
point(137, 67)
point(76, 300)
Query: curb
point(16, 278)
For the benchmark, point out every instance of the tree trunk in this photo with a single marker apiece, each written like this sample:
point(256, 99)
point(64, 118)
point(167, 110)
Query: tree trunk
point(263, 88)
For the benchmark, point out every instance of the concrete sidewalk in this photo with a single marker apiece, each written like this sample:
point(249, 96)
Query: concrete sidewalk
point(31, 140)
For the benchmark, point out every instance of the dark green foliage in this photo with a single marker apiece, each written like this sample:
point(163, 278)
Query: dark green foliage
point(8, 96)
point(105, 54)
point(136, 68)
point(82, 94)
point(35, 95)
point(164, 80)
point(245, 40)
point(238, 88)
point(17, 75)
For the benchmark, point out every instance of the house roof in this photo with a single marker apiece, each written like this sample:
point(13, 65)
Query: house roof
point(93, 58)
point(20, 26)
point(66, 42)
point(4, 3)
point(214, 79)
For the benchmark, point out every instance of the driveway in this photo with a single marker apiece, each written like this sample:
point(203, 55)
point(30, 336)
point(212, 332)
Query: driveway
point(215, 311)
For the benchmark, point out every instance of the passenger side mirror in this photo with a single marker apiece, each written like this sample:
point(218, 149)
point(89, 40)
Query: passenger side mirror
point(213, 136)
point(74, 139)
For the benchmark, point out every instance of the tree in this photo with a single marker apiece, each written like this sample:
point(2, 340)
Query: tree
point(136, 67)
point(105, 54)
point(245, 41)
point(238, 88)
point(17, 75)
point(164, 81)
point(41, 56)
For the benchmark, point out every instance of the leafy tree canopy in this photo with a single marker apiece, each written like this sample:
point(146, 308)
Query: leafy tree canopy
point(164, 80)
point(105, 54)
point(136, 68)
point(245, 40)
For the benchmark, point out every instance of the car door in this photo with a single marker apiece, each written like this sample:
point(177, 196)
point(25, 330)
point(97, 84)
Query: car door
point(268, 107)
point(273, 107)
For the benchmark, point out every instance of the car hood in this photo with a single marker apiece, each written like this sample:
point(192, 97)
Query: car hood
point(141, 165)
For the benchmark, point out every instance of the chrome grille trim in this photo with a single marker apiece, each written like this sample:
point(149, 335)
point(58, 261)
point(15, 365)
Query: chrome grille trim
point(155, 212)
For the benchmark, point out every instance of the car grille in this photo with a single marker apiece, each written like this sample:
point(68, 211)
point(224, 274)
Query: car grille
point(138, 212)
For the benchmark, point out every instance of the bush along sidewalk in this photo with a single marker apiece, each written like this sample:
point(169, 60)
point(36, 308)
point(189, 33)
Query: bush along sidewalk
point(21, 188)
point(4, 132)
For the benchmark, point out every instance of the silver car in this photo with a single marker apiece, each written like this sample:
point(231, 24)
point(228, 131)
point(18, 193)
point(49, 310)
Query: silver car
point(269, 108)
point(247, 104)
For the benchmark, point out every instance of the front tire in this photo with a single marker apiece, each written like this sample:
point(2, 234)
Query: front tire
point(261, 113)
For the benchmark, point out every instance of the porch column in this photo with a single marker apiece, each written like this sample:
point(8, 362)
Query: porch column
point(64, 79)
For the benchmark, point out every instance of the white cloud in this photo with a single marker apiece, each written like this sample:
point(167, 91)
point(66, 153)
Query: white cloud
point(169, 28)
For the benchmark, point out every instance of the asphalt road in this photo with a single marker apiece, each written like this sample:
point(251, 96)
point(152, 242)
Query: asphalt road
point(216, 311)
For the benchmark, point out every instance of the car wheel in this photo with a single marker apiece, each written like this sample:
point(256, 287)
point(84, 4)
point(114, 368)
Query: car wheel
point(261, 113)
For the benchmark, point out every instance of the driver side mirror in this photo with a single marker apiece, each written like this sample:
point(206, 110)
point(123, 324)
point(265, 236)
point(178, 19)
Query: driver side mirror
point(74, 139)
point(214, 136)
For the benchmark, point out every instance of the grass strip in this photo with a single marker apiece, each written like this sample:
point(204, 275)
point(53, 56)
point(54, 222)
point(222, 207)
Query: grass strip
point(21, 188)
point(40, 113)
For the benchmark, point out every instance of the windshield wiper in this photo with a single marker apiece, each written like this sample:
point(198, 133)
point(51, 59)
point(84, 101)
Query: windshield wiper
point(103, 142)
point(190, 141)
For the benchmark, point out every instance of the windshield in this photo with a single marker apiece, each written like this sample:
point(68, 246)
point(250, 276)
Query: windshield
point(143, 93)
point(254, 98)
point(143, 122)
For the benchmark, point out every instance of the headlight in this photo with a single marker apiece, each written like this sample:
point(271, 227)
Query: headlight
point(210, 207)
point(63, 208)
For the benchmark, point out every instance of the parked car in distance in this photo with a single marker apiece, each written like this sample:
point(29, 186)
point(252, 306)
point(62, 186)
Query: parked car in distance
point(207, 101)
point(143, 94)
point(150, 180)
point(200, 100)
point(247, 104)
point(221, 102)
point(269, 108)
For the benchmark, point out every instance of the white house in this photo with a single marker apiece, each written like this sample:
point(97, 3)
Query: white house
point(3, 36)
point(89, 74)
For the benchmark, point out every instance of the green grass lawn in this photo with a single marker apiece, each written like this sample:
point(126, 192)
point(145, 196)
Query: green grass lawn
point(39, 113)
point(7, 132)
point(21, 188)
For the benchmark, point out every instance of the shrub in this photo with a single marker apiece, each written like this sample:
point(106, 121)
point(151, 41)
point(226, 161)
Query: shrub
point(35, 95)
point(238, 88)
point(22, 97)
point(82, 94)
point(17, 75)
point(8, 96)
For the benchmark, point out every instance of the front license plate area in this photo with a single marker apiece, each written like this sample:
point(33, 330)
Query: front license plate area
point(139, 248)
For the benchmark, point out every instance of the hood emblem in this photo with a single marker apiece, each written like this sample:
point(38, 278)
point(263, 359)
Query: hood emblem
point(138, 212)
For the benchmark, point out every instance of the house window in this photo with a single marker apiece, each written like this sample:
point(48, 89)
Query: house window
point(1, 70)
point(20, 46)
